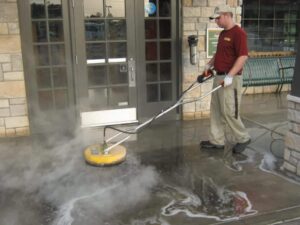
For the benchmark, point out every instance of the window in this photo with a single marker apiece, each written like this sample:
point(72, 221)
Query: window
point(271, 25)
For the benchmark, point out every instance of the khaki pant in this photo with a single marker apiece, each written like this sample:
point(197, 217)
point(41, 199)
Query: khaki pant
point(225, 112)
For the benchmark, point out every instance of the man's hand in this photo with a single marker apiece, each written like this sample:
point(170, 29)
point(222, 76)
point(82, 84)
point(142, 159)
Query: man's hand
point(228, 80)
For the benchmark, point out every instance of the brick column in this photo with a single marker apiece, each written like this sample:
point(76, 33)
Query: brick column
point(292, 142)
point(13, 104)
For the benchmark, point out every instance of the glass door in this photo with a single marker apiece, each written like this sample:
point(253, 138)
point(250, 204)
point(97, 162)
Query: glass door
point(105, 61)
point(158, 56)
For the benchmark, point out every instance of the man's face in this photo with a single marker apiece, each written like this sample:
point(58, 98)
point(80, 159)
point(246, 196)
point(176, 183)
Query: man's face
point(221, 20)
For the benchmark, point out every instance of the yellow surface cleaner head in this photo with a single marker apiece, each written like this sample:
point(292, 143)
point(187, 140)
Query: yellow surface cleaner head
point(96, 156)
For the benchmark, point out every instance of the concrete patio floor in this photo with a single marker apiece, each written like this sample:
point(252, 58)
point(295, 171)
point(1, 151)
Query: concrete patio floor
point(166, 178)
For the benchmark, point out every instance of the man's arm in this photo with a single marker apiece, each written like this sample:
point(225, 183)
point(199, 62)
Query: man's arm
point(238, 65)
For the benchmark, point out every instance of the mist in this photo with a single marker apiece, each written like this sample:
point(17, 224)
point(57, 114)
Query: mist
point(44, 183)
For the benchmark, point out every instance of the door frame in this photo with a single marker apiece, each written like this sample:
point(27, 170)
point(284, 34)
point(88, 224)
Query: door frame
point(146, 110)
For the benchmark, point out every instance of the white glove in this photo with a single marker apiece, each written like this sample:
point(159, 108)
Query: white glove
point(228, 80)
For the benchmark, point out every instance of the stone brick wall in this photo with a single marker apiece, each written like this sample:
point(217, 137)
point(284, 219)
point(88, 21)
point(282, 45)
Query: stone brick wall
point(195, 21)
point(13, 105)
point(292, 141)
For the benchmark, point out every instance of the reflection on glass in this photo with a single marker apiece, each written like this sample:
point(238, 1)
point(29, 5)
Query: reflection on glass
point(117, 29)
point(251, 9)
point(150, 29)
point(266, 11)
point(118, 95)
point(37, 9)
point(151, 72)
point(281, 11)
point(251, 27)
point(59, 77)
point(166, 92)
point(58, 54)
point(43, 78)
point(165, 50)
point(45, 100)
point(54, 8)
point(93, 8)
point(41, 54)
point(118, 50)
point(266, 29)
point(165, 28)
point(56, 31)
point(39, 31)
point(94, 30)
point(97, 98)
point(164, 8)
point(151, 51)
point(165, 71)
point(152, 92)
point(116, 76)
point(150, 8)
point(95, 51)
point(97, 75)
point(61, 99)
point(115, 8)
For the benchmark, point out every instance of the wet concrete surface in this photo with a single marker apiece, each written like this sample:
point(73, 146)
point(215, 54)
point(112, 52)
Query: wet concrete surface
point(166, 178)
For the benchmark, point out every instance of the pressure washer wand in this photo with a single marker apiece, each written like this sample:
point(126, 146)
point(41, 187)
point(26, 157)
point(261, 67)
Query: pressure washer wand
point(201, 78)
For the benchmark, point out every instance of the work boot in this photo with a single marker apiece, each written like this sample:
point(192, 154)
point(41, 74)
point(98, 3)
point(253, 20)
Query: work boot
point(240, 147)
point(208, 144)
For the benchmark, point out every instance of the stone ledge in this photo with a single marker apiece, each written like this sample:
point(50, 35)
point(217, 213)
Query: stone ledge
point(293, 98)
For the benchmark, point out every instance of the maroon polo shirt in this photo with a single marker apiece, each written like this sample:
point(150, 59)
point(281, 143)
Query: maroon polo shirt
point(231, 45)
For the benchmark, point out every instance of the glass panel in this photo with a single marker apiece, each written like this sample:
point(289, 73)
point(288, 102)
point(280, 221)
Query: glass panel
point(116, 76)
point(251, 27)
point(152, 92)
point(41, 53)
point(94, 30)
point(165, 28)
point(150, 29)
point(164, 8)
point(267, 11)
point(58, 54)
point(118, 50)
point(45, 100)
point(61, 99)
point(95, 51)
point(151, 71)
point(115, 8)
point(117, 29)
point(151, 51)
point(165, 72)
point(166, 92)
point(150, 8)
point(118, 95)
point(54, 9)
point(43, 78)
point(39, 31)
point(97, 98)
point(281, 11)
point(97, 75)
point(266, 29)
point(165, 50)
point(60, 77)
point(278, 28)
point(56, 31)
point(250, 9)
point(93, 8)
point(37, 9)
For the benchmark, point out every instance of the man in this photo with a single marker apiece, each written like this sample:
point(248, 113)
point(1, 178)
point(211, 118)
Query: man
point(228, 62)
